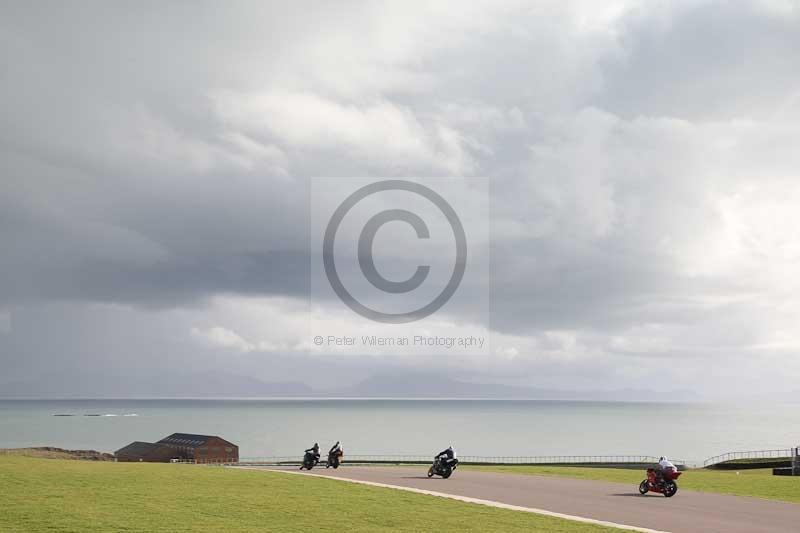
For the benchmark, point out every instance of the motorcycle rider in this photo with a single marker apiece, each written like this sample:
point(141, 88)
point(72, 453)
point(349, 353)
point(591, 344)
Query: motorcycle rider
point(448, 456)
point(335, 449)
point(314, 450)
point(664, 466)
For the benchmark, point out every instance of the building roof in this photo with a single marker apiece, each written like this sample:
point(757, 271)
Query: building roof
point(189, 439)
point(139, 449)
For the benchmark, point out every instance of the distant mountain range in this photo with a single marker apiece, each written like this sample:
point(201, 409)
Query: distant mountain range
point(420, 385)
point(227, 385)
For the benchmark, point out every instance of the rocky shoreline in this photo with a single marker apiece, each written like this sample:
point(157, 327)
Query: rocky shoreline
point(52, 452)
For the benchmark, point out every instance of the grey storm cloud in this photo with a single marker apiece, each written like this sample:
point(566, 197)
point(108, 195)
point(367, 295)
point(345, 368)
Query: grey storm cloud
point(642, 160)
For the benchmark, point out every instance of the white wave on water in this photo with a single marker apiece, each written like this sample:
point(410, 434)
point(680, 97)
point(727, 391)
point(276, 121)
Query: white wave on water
point(93, 414)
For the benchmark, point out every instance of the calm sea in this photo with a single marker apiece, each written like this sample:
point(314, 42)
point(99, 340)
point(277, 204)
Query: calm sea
point(273, 427)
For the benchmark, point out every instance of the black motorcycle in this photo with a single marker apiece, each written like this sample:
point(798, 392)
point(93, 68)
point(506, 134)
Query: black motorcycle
point(442, 467)
point(334, 459)
point(309, 461)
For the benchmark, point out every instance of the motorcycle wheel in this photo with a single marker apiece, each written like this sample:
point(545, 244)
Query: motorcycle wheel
point(447, 472)
point(430, 472)
point(643, 487)
point(670, 489)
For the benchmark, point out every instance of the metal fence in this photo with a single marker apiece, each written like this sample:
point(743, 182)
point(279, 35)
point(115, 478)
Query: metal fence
point(220, 462)
point(471, 459)
point(754, 454)
point(506, 460)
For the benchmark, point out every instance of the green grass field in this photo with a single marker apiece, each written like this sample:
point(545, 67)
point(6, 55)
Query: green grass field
point(80, 496)
point(759, 483)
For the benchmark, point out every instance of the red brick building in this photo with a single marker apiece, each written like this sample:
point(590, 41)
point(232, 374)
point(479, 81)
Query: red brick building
point(145, 452)
point(202, 448)
point(187, 446)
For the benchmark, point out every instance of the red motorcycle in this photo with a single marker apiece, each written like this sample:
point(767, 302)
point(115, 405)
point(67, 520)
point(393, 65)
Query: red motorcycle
point(665, 484)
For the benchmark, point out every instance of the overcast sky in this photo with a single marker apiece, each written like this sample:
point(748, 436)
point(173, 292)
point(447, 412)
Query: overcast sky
point(643, 163)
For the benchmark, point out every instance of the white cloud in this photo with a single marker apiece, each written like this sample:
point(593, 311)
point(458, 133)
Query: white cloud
point(224, 337)
point(371, 133)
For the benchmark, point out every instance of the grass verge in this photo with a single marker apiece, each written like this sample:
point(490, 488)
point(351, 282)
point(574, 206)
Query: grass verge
point(59, 495)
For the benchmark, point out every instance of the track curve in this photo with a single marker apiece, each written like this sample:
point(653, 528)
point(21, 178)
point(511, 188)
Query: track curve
point(686, 512)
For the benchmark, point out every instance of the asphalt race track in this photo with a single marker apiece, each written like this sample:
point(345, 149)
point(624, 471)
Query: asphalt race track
point(687, 511)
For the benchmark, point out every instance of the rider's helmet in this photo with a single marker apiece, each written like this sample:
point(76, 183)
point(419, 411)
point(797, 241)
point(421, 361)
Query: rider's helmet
point(662, 458)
